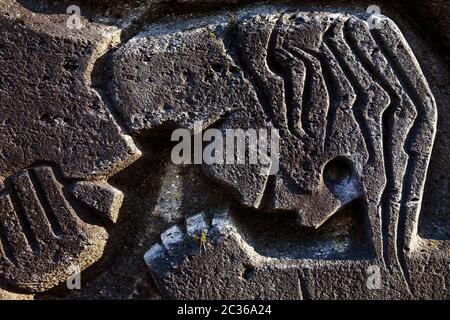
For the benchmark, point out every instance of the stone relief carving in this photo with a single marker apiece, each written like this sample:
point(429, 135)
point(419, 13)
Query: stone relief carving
point(356, 118)
point(357, 121)
point(53, 123)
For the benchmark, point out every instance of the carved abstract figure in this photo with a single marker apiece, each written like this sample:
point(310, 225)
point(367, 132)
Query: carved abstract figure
point(42, 234)
point(58, 143)
point(356, 120)
point(356, 117)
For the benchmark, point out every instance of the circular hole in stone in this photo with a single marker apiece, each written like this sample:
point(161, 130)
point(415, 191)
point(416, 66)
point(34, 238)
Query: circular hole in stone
point(337, 171)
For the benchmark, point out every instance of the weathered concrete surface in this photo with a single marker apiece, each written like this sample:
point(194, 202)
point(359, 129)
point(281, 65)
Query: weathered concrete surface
point(357, 120)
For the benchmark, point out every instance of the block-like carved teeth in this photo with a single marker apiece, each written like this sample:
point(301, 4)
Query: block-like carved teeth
point(172, 236)
point(100, 196)
point(196, 224)
point(156, 251)
point(222, 219)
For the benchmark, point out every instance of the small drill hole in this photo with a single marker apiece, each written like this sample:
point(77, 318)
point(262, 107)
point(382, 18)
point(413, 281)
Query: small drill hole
point(248, 272)
point(217, 67)
point(167, 107)
point(71, 64)
point(337, 171)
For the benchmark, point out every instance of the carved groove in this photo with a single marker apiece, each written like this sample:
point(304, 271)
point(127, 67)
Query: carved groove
point(44, 201)
point(312, 67)
point(280, 66)
point(361, 96)
point(5, 247)
point(387, 133)
point(337, 97)
point(411, 169)
point(38, 226)
point(265, 97)
point(24, 222)
point(333, 89)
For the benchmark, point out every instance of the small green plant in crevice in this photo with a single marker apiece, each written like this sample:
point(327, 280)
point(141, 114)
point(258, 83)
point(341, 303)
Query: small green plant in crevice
point(202, 239)
point(212, 35)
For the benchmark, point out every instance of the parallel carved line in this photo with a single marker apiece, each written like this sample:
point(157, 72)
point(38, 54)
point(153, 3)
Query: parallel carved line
point(25, 225)
point(285, 72)
point(48, 211)
point(361, 96)
point(354, 83)
point(5, 246)
point(387, 134)
point(272, 65)
point(410, 168)
point(330, 80)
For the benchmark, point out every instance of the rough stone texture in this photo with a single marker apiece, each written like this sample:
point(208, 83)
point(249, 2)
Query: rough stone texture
point(101, 197)
point(357, 114)
point(51, 117)
point(343, 98)
point(41, 233)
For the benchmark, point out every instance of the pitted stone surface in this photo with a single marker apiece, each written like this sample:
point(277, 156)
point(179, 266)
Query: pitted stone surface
point(41, 233)
point(356, 116)
point(100, 196)
point(356, 119)
point(53, 123)
point(226, 267)
point(45, 64)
